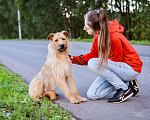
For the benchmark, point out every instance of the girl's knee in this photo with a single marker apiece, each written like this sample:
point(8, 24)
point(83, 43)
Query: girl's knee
point(96, 94)
point(92, 95)
point(93, 63)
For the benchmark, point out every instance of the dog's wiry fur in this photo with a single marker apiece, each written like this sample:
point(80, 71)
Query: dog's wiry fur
point(56, 72)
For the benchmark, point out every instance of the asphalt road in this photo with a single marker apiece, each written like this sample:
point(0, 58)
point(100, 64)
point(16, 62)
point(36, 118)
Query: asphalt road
point(27, 57)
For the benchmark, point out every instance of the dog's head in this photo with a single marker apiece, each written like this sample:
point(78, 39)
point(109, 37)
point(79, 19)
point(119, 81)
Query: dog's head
point(59, 40)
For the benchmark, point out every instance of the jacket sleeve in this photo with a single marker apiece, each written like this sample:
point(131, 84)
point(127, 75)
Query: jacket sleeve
point(83, 59)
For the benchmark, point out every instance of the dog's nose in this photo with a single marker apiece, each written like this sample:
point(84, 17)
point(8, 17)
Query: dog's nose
point(61, 45)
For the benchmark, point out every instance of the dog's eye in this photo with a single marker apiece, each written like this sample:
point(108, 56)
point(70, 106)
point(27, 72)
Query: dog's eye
point(63, 39)
point(56, 40)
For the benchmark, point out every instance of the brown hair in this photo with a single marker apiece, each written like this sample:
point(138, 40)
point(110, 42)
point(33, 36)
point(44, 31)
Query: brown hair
point(98, 20)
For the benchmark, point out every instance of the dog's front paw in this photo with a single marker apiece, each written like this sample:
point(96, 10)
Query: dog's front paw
point(82, 99)
point(74, 101)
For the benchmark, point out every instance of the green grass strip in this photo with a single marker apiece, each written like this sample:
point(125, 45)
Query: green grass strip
point(15, 103)
point(142, 42)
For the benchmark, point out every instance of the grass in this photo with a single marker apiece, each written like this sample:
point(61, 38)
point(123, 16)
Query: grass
point(142, 42)
point(82, 40)
point(15, 103)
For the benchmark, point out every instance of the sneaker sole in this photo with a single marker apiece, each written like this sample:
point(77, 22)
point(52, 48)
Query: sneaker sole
point(123, 99)
point(138, 87)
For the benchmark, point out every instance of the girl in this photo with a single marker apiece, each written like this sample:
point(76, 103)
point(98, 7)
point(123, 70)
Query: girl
point(112, 58)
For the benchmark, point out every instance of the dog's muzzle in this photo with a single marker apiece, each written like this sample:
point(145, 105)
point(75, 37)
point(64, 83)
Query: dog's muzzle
point(62, 47)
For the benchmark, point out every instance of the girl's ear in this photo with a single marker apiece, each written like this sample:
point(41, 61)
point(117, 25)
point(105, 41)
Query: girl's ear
point(98, 31)
point(65, 33)
point(50, 36)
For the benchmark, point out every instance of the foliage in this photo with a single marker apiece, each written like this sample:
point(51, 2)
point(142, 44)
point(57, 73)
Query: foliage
point(135, 15)
point(15, 103)
point(8, 19)
point(39, 18)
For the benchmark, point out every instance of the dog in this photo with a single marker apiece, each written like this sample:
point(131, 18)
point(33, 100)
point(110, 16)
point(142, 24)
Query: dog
point(56, 72)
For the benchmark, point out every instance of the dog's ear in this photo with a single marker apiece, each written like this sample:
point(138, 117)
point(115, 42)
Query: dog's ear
point(65, 33)
point(50, 36)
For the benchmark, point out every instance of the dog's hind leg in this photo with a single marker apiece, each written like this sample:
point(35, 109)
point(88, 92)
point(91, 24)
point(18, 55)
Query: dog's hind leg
point(36, 89)
point(73, 88)
point(50, 94)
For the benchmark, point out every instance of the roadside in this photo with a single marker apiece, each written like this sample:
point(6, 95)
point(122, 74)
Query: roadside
point(142, 42)
point(27, 57)
point(15, 102)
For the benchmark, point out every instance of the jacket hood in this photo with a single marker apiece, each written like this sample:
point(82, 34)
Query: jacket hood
point(115, 27)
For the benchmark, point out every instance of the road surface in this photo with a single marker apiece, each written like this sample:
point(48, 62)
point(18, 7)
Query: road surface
point(27, 57)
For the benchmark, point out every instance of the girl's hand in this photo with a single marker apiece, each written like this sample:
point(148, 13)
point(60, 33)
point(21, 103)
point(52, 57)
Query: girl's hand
point(70, 56)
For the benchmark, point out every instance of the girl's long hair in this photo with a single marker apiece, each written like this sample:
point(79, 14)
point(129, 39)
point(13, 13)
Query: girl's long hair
point(98, 20)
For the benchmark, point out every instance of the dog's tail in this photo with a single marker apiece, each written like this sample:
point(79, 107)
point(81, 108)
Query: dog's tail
point(36, 88)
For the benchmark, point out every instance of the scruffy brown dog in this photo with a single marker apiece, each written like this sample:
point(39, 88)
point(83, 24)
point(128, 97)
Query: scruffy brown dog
point(56, 72)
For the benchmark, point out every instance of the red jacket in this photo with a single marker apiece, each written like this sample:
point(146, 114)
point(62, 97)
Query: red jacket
point(121, 50)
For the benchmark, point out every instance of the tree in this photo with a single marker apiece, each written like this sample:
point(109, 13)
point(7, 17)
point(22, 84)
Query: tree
point(39, 18)
point(8, 19)
point(133, 15)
